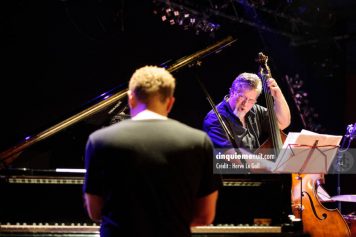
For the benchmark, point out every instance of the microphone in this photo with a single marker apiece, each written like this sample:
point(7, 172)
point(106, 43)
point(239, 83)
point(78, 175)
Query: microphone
point(351, 130)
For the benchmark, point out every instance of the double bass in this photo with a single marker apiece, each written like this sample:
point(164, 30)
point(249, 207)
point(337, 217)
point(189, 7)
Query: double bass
point(317, 220)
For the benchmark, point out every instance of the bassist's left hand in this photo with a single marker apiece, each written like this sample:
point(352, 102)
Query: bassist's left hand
point(274, 88)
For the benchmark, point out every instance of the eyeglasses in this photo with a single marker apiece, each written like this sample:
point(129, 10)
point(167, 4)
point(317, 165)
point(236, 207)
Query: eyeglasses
point(246, 100)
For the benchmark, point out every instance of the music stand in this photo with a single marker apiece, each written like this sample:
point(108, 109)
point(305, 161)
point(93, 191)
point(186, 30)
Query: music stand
point(306, 153)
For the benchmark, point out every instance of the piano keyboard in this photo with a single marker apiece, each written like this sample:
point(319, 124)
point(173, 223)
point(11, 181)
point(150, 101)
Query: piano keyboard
point(44, 180)
point(49, 228)
point(93, 230)
point(236, 229)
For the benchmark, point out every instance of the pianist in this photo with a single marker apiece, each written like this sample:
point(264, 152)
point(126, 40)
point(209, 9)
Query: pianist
point(150, 175)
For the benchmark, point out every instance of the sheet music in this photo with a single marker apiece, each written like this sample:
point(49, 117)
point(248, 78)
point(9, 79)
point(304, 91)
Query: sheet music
point(304, 131)
point(307, 152)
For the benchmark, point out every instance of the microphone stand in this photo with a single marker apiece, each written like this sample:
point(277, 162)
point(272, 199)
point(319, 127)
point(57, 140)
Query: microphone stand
point(350, 134)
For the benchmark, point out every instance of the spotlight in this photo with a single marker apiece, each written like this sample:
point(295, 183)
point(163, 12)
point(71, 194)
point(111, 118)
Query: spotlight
point(187, 18)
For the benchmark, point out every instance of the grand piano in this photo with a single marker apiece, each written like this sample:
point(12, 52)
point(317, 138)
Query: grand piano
point(41, 178)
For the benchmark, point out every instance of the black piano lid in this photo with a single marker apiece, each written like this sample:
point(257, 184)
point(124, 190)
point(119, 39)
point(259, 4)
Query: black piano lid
point(62, 145)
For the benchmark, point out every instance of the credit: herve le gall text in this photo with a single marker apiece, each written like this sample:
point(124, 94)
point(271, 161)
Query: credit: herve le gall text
point(236, 160)
point(226, 165)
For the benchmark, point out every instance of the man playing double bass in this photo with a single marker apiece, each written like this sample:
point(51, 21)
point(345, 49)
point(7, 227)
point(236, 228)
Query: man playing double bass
point(247, 121)
point(250, 124)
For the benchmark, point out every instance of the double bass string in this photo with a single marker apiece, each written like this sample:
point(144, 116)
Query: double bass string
point(276, 139)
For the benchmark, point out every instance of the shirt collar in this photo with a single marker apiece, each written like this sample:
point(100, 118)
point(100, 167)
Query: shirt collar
point(148, 114)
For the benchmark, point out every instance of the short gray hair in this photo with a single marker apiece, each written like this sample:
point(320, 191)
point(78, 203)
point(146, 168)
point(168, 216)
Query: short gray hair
point(245, 81)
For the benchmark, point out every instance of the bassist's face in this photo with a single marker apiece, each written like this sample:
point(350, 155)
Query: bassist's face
point(243, 101)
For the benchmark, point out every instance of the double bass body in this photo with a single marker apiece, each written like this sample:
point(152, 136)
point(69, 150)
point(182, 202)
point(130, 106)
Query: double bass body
point(318, 221)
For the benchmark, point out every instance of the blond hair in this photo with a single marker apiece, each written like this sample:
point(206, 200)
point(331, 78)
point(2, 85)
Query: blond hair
point(149, 81)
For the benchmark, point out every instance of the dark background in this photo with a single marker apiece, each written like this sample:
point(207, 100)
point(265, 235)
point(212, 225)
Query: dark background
point(58, 56)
